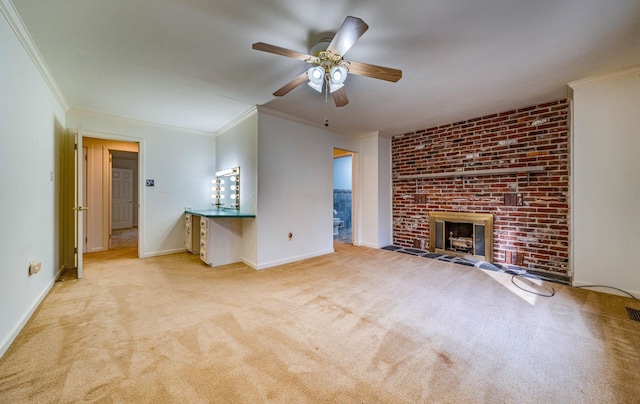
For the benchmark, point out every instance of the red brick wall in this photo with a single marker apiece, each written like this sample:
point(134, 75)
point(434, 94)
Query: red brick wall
point(538, 230)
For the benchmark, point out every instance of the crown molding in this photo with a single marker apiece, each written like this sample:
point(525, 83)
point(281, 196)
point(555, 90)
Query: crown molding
point(633, 71)
point(245, 115)
point(139, 122)
point(17, 25)
point(314, 124)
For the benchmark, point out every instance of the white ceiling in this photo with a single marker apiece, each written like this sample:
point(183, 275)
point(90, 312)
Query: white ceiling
point(189, 63)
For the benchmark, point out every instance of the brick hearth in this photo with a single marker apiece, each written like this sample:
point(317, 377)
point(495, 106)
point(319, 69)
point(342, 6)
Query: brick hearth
point(531, 212)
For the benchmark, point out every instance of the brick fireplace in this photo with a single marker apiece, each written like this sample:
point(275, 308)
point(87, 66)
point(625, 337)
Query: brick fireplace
point(462, 234)
point(512, 165)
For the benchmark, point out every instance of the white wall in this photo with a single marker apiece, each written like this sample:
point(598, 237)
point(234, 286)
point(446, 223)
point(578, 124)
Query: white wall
point(342, 173)
point(385, 194)
point(295, 190)
point(182, 164)
point(237, 146)
point(376, 191)
point(606, 181)
point(31, 131)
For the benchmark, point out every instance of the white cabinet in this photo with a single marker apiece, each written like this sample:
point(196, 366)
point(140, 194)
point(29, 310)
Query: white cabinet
point(188, 234)
point(218, 241)
point(191, 233)
point(204, 239)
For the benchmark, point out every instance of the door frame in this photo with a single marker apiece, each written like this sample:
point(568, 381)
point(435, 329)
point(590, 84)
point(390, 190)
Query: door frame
point(355, 194)
point(83, 133)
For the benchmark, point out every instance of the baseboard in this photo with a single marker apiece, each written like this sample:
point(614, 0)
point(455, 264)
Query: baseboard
point(371, 245)
point(250, 263)
point(165, 252)
point(59, 273)
point(612, 290)
point(292, 259)
point(6, 343)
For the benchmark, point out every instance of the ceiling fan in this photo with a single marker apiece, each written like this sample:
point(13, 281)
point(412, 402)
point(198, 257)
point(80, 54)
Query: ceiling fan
point(328, 68)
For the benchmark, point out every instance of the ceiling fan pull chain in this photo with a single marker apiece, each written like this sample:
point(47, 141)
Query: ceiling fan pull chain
point(326, 104)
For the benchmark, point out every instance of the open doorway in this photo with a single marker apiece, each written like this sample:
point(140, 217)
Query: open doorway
point(124, 199)
point(343, 196)
point(111, 189)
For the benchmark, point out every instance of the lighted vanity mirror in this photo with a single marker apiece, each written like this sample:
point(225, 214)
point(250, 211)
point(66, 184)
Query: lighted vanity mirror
point(227, 187)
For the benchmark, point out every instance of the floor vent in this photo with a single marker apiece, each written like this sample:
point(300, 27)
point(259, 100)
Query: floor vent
point(634, 314)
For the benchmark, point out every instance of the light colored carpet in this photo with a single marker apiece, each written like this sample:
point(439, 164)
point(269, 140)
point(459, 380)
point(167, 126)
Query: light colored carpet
point(359, 325)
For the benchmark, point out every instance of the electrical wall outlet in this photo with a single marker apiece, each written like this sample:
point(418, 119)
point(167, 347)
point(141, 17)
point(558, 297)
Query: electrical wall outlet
point(34, 267)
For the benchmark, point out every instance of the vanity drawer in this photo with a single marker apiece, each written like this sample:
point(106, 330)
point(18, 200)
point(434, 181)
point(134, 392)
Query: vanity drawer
point(187, 218)
point(204, 223)
point(204, 256)
point(188, 237)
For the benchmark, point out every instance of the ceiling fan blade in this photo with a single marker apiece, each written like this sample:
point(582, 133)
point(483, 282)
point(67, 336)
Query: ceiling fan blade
point(265, 47)
point(340, 98)
point(349, 32)
point(301, 79)
point(376, 72)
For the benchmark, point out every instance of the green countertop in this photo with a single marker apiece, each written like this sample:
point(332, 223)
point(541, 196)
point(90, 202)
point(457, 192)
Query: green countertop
point(230, 213)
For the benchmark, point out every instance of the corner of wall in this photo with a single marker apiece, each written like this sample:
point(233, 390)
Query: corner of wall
point(17, 25)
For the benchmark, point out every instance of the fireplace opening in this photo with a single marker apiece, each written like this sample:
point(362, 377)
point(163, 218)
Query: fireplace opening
point(458, 237)
point(462, 234)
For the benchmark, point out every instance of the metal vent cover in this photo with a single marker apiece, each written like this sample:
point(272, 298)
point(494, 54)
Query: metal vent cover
point(634, 314)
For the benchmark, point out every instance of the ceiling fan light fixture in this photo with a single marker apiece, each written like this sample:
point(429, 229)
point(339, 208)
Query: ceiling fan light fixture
point(334, 87)
point(316, 78)
point(337, 76)
point(328, 64)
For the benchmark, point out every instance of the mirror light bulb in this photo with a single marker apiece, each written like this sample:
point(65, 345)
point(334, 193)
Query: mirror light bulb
point(221, 196)
point(233, 196)
point(233, 179)
point(233, 187)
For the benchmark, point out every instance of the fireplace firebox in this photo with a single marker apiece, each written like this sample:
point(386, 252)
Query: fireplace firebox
point(462, 234)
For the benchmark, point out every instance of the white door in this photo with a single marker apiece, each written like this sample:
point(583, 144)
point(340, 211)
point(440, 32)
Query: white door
point(79, 199)
point(121, 198)
point(85, 199)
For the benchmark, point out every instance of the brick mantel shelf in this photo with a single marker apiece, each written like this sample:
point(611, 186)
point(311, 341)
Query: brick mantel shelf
point(471, 173)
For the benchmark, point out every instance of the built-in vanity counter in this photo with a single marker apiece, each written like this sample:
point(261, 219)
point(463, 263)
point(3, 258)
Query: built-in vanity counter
point(221, 213)
point(215, 234)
